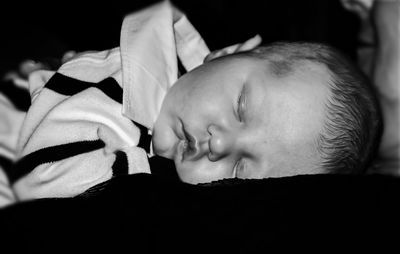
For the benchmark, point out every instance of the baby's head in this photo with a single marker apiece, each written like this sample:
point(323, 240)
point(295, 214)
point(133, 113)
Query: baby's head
point(279, 110)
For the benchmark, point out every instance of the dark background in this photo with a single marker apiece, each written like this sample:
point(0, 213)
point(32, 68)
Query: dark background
point(37, 30)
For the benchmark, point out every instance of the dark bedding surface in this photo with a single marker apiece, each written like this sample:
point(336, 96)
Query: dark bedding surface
point(150, 213)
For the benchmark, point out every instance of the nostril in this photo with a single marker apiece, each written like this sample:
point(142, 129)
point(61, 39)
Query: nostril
point(212, 157)
point(210, 146)
point(209, 131)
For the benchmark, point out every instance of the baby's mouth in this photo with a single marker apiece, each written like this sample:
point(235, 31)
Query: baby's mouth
point(189, 146)
point(188, 150)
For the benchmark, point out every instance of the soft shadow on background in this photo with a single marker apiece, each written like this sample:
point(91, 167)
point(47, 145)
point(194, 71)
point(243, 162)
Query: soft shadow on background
point(39, 31)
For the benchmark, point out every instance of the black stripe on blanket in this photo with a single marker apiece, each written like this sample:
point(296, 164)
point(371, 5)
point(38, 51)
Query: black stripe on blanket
point(51, 154)
point(145, 138)
point(6, 164)
point(19, 97)
point(120, 166)
point(69, 86)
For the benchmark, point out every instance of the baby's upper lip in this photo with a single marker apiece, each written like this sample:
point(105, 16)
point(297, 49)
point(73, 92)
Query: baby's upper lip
point(193, 151)
point(191, 139)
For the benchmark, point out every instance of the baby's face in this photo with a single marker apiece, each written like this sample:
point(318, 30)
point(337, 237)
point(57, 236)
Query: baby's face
point(232, 118)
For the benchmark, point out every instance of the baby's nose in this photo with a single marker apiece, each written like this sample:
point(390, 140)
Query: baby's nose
point(221, 144)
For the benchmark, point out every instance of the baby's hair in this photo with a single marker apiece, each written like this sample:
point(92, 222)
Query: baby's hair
point(353, 127)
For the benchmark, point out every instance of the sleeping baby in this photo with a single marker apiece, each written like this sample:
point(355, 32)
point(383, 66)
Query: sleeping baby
point(246, 111)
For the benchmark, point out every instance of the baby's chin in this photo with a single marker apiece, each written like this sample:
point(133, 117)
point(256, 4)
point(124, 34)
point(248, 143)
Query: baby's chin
point(163, 152)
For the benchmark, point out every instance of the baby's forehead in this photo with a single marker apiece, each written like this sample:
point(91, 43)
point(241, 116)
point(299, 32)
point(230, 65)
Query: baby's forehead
point(305, 87)
point(281, 67)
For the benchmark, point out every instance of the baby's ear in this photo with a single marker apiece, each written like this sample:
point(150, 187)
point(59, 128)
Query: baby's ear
point(245, 46)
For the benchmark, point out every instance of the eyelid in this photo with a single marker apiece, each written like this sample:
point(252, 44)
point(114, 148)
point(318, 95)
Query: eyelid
point(241, 104)
point(239, 167)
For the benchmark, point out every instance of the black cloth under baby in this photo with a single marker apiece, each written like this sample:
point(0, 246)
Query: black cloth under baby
point(158, 165)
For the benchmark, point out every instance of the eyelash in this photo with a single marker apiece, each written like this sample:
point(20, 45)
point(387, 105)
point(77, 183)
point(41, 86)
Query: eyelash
point(238, 167)
point(241, 102)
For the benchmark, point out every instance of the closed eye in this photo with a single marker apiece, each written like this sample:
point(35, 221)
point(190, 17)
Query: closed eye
point(238, 168)
point(241, 104)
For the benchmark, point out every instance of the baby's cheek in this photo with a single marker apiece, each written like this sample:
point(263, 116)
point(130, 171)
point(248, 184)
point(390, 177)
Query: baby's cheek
point(163, 142)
